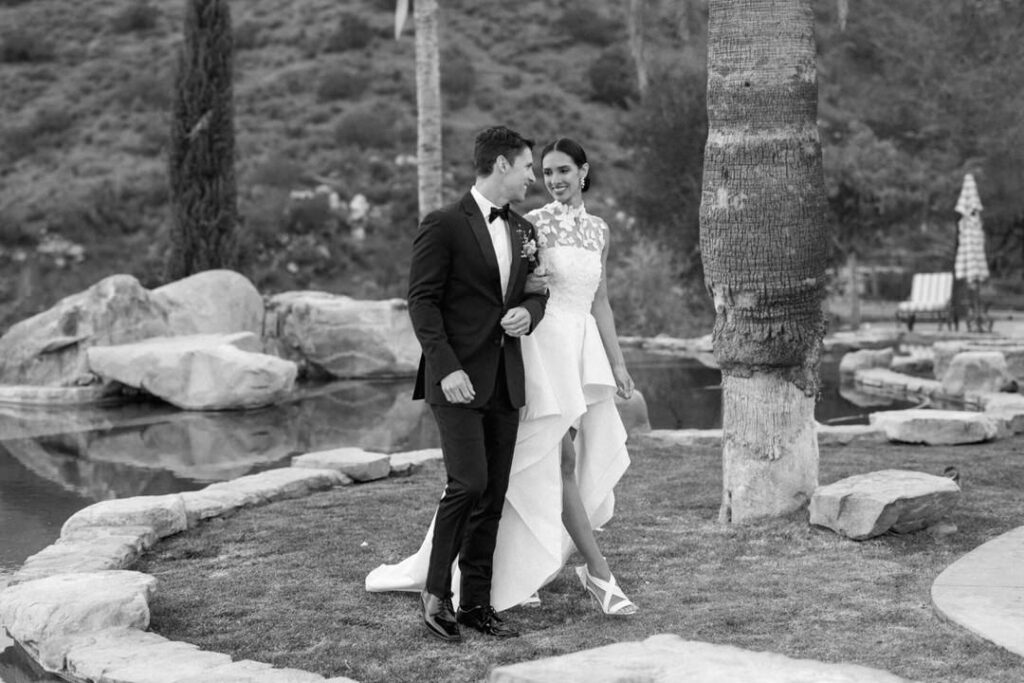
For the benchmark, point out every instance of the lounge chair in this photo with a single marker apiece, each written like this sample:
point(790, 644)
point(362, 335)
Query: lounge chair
point(931, 298)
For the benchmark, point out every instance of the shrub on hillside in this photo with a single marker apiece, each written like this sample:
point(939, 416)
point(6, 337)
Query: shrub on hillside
point(247, 35)
point(278, 172)
point(149, 89)
point(649, 297)
point(458, 78)
point(342, 84)
point(352, 33)
point(47, 127)
point(612, 77)
point(21, 46)
point(137, 17)
point(374, 125)
point(584, 24)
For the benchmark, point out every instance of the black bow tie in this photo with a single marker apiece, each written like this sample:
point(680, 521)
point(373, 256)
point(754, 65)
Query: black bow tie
point(495, 212)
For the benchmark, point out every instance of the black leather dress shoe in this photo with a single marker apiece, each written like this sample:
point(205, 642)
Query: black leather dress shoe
point(439, 617)
point(484, 619)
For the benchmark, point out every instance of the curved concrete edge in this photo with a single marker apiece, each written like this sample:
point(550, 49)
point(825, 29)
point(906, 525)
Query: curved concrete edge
point(84, 547)
point(983, 591)
point(828, 435)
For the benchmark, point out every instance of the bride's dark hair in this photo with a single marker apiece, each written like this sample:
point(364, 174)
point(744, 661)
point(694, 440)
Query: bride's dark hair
point(574, 150)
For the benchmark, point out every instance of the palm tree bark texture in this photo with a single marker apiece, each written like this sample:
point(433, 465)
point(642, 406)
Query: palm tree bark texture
point(763, 239)
point(202, 146)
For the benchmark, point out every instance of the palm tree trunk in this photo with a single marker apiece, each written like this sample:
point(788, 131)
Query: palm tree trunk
point(764, 246)
point(428, 105)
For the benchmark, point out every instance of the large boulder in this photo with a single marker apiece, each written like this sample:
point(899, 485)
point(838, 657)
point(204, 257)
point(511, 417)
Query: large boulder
point(1012, 350)
point(199, 372)
point(212, 301)
point(867, 505)
point(49, 348)
point(340, 336)
point(978, 372)
point(936, 427)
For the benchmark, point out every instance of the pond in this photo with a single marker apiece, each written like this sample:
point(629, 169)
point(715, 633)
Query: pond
point(55, 462)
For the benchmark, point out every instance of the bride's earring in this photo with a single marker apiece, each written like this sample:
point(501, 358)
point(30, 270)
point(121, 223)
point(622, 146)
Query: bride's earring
point(583, 182)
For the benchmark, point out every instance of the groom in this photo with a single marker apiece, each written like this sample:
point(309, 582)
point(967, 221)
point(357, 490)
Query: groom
point(468, 309)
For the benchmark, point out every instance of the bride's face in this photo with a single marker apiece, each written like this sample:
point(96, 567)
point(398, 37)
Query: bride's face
point(563, 177)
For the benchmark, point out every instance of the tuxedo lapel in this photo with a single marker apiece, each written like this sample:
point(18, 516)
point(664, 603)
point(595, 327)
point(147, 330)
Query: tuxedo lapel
point(483, 238)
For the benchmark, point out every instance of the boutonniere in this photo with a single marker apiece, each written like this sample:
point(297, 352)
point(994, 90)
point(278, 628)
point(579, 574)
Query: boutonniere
point(529, 250)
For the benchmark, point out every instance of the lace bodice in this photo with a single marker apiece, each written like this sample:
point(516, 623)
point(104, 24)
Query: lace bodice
point(570, 242)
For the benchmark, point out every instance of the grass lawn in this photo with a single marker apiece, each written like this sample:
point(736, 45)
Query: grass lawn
point(283, 583)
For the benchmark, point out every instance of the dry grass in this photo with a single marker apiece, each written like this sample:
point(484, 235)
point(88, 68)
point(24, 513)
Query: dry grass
point(283, 583)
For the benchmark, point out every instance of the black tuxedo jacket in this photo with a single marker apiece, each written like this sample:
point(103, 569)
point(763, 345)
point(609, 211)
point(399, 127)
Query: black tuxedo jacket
point(456, 304)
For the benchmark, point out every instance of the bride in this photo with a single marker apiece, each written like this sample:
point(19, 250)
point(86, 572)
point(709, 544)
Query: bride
point(571, 447)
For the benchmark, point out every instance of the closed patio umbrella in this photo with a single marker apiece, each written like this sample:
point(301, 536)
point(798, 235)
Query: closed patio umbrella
point(970, 264)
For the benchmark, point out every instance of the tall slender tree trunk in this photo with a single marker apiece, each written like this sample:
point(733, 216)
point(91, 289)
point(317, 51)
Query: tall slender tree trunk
point(428, 105)
point(202, 146)
point(638, 42)
point(764, 246)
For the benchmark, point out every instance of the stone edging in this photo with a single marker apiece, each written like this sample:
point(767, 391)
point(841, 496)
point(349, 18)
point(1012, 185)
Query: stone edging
point(75, 610)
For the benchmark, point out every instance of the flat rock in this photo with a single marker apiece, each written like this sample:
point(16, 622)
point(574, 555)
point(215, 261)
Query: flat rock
point(340, 336)
point(1011, 349)
point(410, 461)
point(865, 358)
point(41, 615)
point(125, 655)
point(670, 659)
point(868, 505)
point(686, 438)
point(936, 427)
point(278, 484)
point(355, 463)
point(977, 371)
point(165, 515)
point(199, 372)
point(80, 556)
point(844, 435)
point(983, 591)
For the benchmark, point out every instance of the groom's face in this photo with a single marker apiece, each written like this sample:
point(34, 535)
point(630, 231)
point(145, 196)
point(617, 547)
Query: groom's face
point(520, 176)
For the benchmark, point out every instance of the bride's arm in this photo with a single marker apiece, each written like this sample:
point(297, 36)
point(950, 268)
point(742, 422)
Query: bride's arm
point(601, 309)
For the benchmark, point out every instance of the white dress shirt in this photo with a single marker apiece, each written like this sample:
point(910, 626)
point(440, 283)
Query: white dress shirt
point(498, 229)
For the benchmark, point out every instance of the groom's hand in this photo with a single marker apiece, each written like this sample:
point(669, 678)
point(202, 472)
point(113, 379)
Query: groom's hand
point(516, 322)
point(457, 387)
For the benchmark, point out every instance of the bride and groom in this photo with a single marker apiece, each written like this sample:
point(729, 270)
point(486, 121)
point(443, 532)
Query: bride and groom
point(520, 367)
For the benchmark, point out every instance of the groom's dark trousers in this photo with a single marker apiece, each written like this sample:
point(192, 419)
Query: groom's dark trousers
point(456, 305)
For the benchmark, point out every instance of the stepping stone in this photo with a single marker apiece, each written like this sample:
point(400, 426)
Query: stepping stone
point(355, 463)
point(977, 371)
point(863, 359)
point(983, 591)
point(936, 427)
point(871, 504)
point(670, 659)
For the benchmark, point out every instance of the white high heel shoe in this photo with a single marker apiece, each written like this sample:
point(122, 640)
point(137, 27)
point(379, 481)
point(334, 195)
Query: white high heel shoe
point(604, 592)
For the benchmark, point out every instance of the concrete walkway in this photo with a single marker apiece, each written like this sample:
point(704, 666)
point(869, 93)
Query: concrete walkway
point(983, 591)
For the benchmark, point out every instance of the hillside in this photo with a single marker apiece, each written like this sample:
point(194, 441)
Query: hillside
point(324, 95)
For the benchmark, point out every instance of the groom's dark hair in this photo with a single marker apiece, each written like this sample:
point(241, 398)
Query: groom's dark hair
point(494, 142)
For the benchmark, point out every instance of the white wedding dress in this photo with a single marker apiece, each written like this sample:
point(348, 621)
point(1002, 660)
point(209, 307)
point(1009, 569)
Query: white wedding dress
point(569, 383)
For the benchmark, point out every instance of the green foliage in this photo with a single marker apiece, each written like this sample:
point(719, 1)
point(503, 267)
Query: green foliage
point(342, 83)
point(48, 127)
point(277, 171)
point(613, 77)
point(458, 77)
point(205, 230)
point(352, 33)
point(667, 132)
point(247, 36)
point(150, 90)
point(22, 46)
point(374, 125)
point(648, 295)
point(581, 22)
point(137, 17)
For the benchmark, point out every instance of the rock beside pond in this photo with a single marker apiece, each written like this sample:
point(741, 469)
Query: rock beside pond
point(1012, 350)
point(164, 514)
point(865, 358)
point(936, 427)
point(868, 505)
point(49, 348)
point(340, 336)
point(44, 615)
point(199, 372)
point(355, 463)
point(979, 372)
point(210, 302)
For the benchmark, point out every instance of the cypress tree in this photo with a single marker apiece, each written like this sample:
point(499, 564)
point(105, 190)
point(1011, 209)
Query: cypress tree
point(204, 230)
